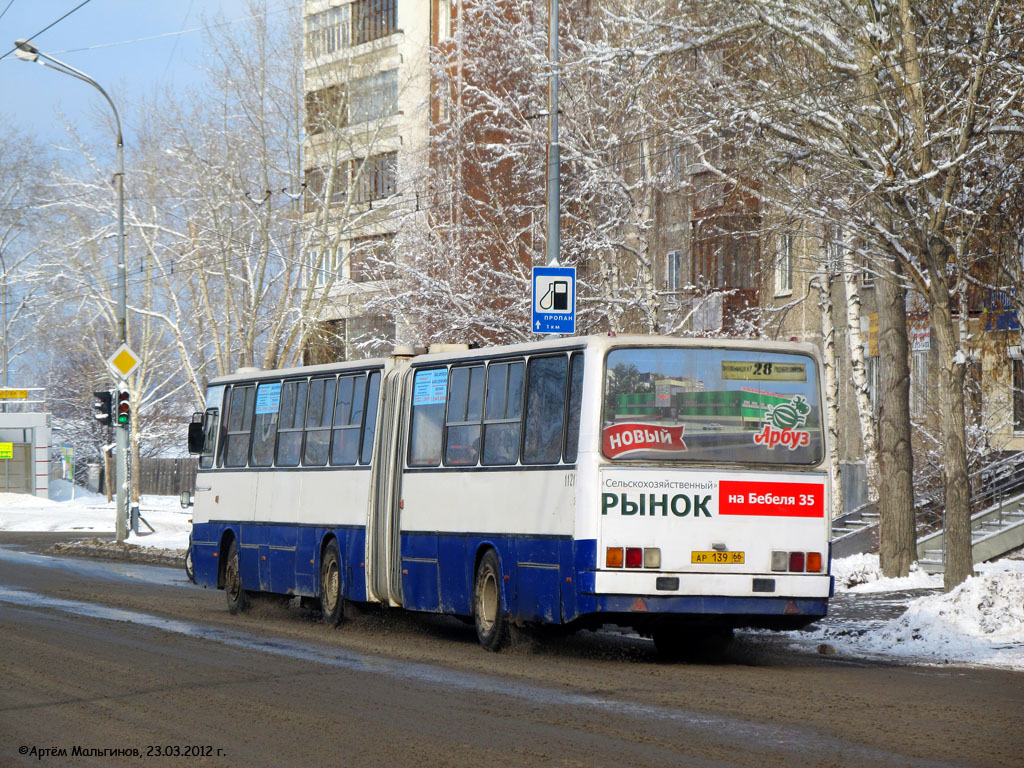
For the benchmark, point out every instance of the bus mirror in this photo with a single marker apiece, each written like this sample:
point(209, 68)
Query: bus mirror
point(196, 435)
point(186, 499)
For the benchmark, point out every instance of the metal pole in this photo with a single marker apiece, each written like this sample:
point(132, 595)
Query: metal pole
point(25, 50)
point(121, 470)
point(554, 161)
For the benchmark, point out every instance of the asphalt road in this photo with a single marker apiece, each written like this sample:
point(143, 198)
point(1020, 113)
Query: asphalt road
point(107, 656)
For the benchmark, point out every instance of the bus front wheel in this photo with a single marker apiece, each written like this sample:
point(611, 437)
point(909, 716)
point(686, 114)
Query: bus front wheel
point(332, 602)
point(238, 601)
point(488, 607)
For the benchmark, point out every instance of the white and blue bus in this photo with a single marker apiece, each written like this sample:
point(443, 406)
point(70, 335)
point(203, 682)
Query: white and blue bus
point(657, 483)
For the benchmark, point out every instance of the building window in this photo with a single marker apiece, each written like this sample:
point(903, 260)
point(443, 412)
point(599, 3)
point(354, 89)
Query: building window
point(375, 178)
point(321, 271)
point(784, 265)
point(324, 109)
point(322, 186)
point(673, 268)
point(370, 258)
point(919, 383)
point(1018, 394)
point(374, 97)
point(373, 19)
point(444, 19)
point(327, 31)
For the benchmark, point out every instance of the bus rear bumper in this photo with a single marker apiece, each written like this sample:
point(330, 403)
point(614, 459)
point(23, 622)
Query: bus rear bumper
point(648, 612)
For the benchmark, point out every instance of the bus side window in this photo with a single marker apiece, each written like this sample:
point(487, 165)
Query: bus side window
point(289, 431)
point(503, 414)
point(268, 406)
point(462, 425)
point(545, 410)
point(210, 438)
point(318, 422)
point(572, 424)
point(366, 451)
point(348, 419)
point(430, 389)
point(239, 423)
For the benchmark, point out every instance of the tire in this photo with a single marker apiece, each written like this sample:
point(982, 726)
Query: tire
point(189, 572)
point(238, 600)
point(332, 598)
point(488, 606)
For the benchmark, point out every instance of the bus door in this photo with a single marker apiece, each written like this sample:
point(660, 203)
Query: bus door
point(383, 540)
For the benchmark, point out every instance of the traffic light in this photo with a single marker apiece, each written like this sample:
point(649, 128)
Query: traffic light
point(123, 408)
point(102, 407)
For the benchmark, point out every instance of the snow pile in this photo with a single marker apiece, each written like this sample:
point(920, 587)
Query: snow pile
point(981, 622)
point(862, 573)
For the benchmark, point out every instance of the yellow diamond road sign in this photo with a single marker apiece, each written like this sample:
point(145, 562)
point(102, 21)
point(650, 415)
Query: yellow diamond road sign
point(123, 361)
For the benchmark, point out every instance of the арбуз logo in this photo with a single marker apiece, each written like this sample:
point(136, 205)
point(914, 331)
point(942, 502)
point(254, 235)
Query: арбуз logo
point(782, 425)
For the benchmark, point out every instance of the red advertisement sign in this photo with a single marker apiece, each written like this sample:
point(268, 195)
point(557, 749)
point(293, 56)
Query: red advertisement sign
point(620, 439)
point(750, 497)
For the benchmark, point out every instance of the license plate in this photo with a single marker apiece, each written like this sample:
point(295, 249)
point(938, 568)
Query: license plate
point(728, 558)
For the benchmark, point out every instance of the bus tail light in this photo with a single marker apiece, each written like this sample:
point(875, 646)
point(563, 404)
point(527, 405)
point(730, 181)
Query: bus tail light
point(652, 557)
point(634, 557)
point(613, 557)
point(797, 562)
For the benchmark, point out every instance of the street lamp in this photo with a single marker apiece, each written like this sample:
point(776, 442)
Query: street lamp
point(24, 50)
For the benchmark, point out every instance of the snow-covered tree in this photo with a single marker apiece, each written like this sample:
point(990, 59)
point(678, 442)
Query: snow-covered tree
point(895, 114)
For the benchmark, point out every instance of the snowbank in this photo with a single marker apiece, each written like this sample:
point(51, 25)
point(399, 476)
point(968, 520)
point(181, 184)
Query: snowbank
point(979, 622)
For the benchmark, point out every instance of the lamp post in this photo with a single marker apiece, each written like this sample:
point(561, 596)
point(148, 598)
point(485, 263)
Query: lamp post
point(24, 50)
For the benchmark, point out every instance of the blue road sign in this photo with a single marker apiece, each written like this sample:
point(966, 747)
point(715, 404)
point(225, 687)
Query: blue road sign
point(554, 300)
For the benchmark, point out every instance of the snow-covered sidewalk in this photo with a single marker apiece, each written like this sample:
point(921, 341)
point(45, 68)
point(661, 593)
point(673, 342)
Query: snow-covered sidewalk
point(981, 622)
point(90, 514)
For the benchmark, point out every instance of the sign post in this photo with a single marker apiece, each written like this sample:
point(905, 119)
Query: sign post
point(123, 362)
point(554, 300)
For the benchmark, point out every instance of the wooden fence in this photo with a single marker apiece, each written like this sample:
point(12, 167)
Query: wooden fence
point(167, 477)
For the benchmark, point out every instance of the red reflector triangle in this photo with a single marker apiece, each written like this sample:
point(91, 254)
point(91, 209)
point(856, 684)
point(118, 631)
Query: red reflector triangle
point(639, 605)
point(791, 608)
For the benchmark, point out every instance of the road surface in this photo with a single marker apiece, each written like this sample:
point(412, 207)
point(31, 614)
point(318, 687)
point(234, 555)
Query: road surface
point(98, 656)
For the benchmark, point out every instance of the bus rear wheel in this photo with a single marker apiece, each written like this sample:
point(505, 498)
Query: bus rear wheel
point(238, 600)
point(332, 602)
point(488, 607)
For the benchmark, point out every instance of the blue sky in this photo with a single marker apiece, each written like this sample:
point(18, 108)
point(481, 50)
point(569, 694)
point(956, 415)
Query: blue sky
point(130, 47)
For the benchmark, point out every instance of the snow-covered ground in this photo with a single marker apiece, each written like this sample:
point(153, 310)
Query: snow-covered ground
point(981, 622)
point(89, 513)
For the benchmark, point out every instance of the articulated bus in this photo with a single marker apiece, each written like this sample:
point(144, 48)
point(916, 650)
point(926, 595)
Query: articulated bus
point(672, 486)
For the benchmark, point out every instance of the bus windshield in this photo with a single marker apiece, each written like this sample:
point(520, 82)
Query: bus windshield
point(728, 406)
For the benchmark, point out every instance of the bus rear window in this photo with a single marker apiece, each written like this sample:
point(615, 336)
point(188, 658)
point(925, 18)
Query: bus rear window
point(727, 406)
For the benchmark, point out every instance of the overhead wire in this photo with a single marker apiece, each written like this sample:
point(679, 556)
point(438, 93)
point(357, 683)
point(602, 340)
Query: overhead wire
point(49, 26)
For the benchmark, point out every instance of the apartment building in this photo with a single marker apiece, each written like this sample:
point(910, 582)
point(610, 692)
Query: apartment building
point(367, 92)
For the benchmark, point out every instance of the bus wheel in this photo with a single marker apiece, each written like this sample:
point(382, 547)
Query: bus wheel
point(488, 610)
point(237, 599)
point(332, 603)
